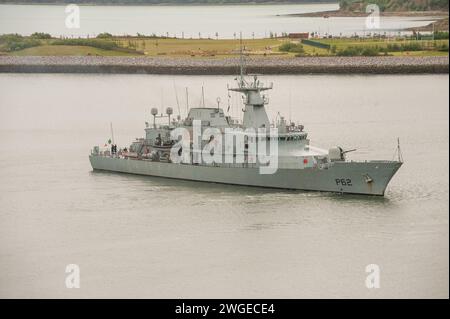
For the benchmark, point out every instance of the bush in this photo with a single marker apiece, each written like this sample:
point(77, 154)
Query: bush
point(411, 46)
point(359, 51)
point(104, 35)
point(370, 51)
point(16, 42)
point(350, 51)
point(286, 47)
point(395, 47)
point(41, 35)
point(10, 37)
point(297, 49)
point(291, 47)
point(442, 47)
point(100, 44)
point(20, 45)
point(439, 35)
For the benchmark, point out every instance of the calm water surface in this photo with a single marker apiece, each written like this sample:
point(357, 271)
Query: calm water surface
point(149, 237)
point(253, 20)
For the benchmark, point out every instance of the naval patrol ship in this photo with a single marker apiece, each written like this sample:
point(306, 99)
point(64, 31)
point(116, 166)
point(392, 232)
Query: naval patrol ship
point(299, 166)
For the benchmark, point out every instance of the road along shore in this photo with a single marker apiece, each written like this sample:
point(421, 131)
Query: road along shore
point(225, 66)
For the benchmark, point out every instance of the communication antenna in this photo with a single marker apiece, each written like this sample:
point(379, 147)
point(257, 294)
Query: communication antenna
point(169, 112)
point(236, 103)
point(187, 101)
point(290, 106)
point(154, 112)
point(176, 97)
point(241, 58)
point(112, 132)
point(228, 99)
point(218, 102)
point(203, 96)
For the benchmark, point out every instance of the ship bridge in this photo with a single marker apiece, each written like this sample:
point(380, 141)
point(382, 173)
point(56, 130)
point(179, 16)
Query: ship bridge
point(209, 116)
point(255, 115)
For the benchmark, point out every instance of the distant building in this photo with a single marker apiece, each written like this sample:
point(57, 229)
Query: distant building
point(301, 35)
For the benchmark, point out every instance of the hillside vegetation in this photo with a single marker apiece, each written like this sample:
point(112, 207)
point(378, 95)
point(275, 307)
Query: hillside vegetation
point(395, 5)
point(346, 5)
point(149, 2)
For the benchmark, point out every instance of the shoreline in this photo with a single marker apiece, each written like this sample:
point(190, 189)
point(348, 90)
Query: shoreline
point(439, 25)
point(441, 17)
point(229, 66)
point(353, 14)
point(168, 4)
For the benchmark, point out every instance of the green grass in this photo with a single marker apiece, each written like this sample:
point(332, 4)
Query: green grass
point(342, 43)
point(62, 50)
point(193, 48)
point(430, 47)
point(199, 47)
point(420, 53)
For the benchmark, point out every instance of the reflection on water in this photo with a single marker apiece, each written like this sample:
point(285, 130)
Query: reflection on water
point(139, 236)
point(216, 192)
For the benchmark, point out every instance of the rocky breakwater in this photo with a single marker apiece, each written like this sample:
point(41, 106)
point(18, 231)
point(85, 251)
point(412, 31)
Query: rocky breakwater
point(226, 66)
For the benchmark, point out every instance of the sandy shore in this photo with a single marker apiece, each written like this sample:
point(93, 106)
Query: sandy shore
point(439, 25)
point(204, 66)
point(345, 14)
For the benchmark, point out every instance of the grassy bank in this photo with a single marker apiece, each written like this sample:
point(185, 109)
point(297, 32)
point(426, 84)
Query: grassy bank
point(40, 44)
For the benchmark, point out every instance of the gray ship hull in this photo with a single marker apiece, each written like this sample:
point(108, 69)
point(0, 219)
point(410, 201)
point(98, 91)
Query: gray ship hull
point(369, 178)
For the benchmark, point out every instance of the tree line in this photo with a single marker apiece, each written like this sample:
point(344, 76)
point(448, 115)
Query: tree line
point(149, 2)
point(395, 5)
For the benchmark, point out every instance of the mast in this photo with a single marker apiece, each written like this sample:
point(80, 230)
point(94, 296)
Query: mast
point(112, 132)
point(241, 58)
point(187, 101)
point(203, 96)
point(255, 115)
point(176, 97)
